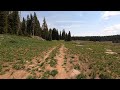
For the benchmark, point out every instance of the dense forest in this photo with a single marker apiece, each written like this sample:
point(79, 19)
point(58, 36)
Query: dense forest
point(10, 23)
point(113, 38)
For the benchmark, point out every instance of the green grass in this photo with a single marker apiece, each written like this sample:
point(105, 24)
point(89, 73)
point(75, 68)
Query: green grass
point(81, 76)
point(46, 75)
point(22, 48)
point(18, 66)
point(31, 77)
point(94, 54)
point(54, 72)
point(77, 67)
point(52, 62)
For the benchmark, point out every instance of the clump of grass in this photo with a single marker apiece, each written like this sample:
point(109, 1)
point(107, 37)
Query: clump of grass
point(77, 67)
point(104, 76)
point(46, 75)
point(2, 72)
point(53, 72)
point(92, 75)
point(1, 68)
point(72, 57)
point(41, 64)
point(71, 61)
point(81, 76)
point(52, 62)
point(13, 41)
point(18, 66)
point(31, 77)
point(65, 61)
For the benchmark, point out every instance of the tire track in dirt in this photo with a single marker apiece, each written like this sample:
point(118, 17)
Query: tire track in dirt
point(60, 60)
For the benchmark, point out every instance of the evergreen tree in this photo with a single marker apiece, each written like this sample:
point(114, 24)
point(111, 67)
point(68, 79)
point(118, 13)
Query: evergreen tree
point(66, 37)
point(69, 36)
point(23, 27)
point(57, 35)
point(60, 35)
point(63, 34)
point(10, 23)
point(16, 22)
point(50, 35)
point(44, 29)
point(3, 22)
point(37, 28)
point(28, 25)
point(31, 25)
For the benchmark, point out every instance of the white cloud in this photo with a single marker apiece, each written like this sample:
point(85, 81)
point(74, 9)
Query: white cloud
point(107, 14)
point(111, 30)
point(69, 21)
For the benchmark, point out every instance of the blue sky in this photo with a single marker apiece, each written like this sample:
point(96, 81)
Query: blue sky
point(81, 23)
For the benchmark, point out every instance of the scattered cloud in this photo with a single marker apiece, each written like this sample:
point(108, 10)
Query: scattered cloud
point(107, 14)
point(111, 30)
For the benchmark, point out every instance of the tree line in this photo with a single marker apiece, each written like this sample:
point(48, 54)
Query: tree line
point(10, 23)
point(113, 38)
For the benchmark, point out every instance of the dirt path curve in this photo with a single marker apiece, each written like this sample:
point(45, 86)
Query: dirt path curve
point(60, 60)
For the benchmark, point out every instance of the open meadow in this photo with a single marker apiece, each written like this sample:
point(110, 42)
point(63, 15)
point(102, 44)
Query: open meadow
point(30, 58)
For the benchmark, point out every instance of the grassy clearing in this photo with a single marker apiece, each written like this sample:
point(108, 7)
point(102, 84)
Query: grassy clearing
point(94, 54)
point(20, 49)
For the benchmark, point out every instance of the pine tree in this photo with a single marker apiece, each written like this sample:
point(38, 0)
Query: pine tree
point(16, 22)
point(3, 22)
point(37, 28)
point(28, 25)
point(60, 35)
point(23, 27)
point(69, 36)
point(44, 29)
point(10, 23)
point(50, 35)
point(31, 25)
point(57, 35)
point(63, 34)
point(66, 37)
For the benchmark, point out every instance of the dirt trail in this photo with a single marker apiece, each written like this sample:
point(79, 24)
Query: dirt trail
point(60, 61)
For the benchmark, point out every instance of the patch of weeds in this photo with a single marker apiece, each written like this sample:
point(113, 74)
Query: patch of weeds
point(72, 57)
point(41, 64)
point(53, 72)
point(1, 68)
point(90, 66)
point(36, 69)
point(7, 69)
point(33, 72)
point(52, 62)
point(28, 69)
point(77, 67)
point(22, 62)
point(18, 66)
point(65, 57)
point(71, 61)
point(46, 75)
point(41, 70)
point(31, 77)
point(5, 65)
point(47, 59)
point(2, 72)
point(81, 76)
point(104, 76)
point(92, 75)
point(13, 41)
point(65, 61)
